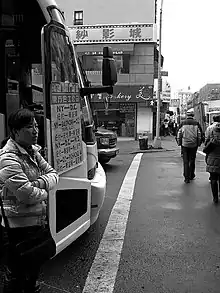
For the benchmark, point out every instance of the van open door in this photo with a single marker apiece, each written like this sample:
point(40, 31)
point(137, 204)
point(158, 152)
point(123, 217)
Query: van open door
point(69, 210)
point(70, 202)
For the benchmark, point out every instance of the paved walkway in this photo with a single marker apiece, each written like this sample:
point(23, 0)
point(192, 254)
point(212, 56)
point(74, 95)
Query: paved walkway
point(168, 143)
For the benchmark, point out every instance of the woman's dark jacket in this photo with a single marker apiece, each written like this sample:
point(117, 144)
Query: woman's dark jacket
point(213, 158)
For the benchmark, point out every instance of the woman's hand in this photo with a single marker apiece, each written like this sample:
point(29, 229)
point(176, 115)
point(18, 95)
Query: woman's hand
point(35, 184)
point(39, 183)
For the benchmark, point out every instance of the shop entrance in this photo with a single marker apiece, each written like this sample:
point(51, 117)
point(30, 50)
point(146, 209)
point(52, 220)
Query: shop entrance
point(119, 117)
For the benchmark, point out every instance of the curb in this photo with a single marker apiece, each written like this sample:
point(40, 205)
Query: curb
point(152, 151)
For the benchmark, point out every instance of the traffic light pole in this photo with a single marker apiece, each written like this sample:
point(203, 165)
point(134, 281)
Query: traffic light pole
point(157, 140)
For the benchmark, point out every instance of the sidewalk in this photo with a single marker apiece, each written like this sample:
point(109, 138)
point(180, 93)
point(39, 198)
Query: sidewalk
point(168, 143)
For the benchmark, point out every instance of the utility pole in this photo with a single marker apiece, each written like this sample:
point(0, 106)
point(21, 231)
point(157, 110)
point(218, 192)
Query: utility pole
point(157, 140)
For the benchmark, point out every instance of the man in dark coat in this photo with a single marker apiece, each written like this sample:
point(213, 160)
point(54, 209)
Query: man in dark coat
point(189, 137)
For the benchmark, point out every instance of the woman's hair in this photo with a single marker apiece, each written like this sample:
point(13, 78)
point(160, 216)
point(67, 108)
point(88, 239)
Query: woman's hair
point(20, 119)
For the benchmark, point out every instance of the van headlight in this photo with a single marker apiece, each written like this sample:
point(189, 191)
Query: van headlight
point(104, 140)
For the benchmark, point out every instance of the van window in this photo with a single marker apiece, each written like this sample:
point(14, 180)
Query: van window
point(63, 68)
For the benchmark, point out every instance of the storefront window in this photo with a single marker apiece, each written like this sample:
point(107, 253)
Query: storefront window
point(94, 63)
point(120, 117)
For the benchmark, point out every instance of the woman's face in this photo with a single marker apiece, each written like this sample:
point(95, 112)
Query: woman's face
point(27, 135)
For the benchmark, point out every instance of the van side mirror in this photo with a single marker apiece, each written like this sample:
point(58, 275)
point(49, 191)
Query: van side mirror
point(109, 73)
point(109, 76)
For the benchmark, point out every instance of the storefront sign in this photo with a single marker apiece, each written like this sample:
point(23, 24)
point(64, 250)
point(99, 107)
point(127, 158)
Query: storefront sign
point(127, 94)
point(174, 102)
point(126, 33)
point(66, 126)
point(100, 53)
point(185, 96)
point(166, 96)
point(214, 109)
point(126, 108)
point(164, 73)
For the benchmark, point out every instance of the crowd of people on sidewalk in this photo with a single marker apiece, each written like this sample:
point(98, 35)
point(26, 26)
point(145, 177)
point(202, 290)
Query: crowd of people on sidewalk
point(189, 137)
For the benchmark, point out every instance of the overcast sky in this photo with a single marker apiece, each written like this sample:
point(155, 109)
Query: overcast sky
point(191, 42)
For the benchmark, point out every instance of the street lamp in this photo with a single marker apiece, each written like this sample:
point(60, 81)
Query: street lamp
point(157, 140)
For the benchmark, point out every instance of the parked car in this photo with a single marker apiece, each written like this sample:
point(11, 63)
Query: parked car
point(107, 144)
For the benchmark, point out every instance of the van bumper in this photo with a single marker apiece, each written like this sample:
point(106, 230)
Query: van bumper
point(98, 189)
point(108, 153)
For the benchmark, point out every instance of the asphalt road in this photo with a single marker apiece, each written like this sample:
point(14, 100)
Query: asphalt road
point(172, 242)
point(172, 238)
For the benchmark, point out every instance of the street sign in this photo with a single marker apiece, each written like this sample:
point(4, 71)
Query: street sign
point(164, 73)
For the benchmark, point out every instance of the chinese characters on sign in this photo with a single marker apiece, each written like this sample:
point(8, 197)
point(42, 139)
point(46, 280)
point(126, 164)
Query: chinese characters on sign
point(114, 33)
point(66, 126)
point(135, 33)
point(107, 33)
point(81, 34)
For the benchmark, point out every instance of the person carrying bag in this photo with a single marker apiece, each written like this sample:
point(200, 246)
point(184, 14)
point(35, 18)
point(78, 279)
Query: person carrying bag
point(212, 150)
point(25, 181)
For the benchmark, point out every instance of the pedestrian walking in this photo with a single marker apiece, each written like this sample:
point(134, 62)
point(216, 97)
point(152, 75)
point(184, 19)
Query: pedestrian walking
point(189, 137)
point(166, 127)
point(25, 180)
point(216, 120)
point(190, 114)
point(213, 159)
point(209, 129)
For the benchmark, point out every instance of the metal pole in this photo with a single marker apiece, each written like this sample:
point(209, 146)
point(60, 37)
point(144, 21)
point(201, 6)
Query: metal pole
point(157, 140)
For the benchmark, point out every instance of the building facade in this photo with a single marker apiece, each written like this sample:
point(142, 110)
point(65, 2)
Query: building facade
point(209, 95)
point(104, 12)
point(132, 33)
point(207, 99)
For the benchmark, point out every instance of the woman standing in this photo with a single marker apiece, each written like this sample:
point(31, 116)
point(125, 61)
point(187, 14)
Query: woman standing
point(213, 160)
point(26, 179)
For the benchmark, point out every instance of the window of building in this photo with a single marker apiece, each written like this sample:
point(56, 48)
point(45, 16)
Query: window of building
point(78, 17)
point(94, 63)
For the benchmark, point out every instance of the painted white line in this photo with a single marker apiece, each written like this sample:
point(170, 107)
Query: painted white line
point(101, 277)
point(53, 287)
point(201, 153)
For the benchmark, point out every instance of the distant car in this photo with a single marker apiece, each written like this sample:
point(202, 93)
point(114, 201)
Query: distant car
point(107, 144)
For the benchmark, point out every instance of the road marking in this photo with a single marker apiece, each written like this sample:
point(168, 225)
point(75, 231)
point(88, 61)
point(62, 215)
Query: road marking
point(101, 277)
point(201, 153)
point(53, 287)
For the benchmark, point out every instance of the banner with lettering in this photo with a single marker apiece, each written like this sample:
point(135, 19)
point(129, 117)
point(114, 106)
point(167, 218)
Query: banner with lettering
point(66, 126)
point(127, 93)
point(118, 33)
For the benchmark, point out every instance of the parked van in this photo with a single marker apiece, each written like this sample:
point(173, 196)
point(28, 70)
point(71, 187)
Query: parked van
point(106, 144)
